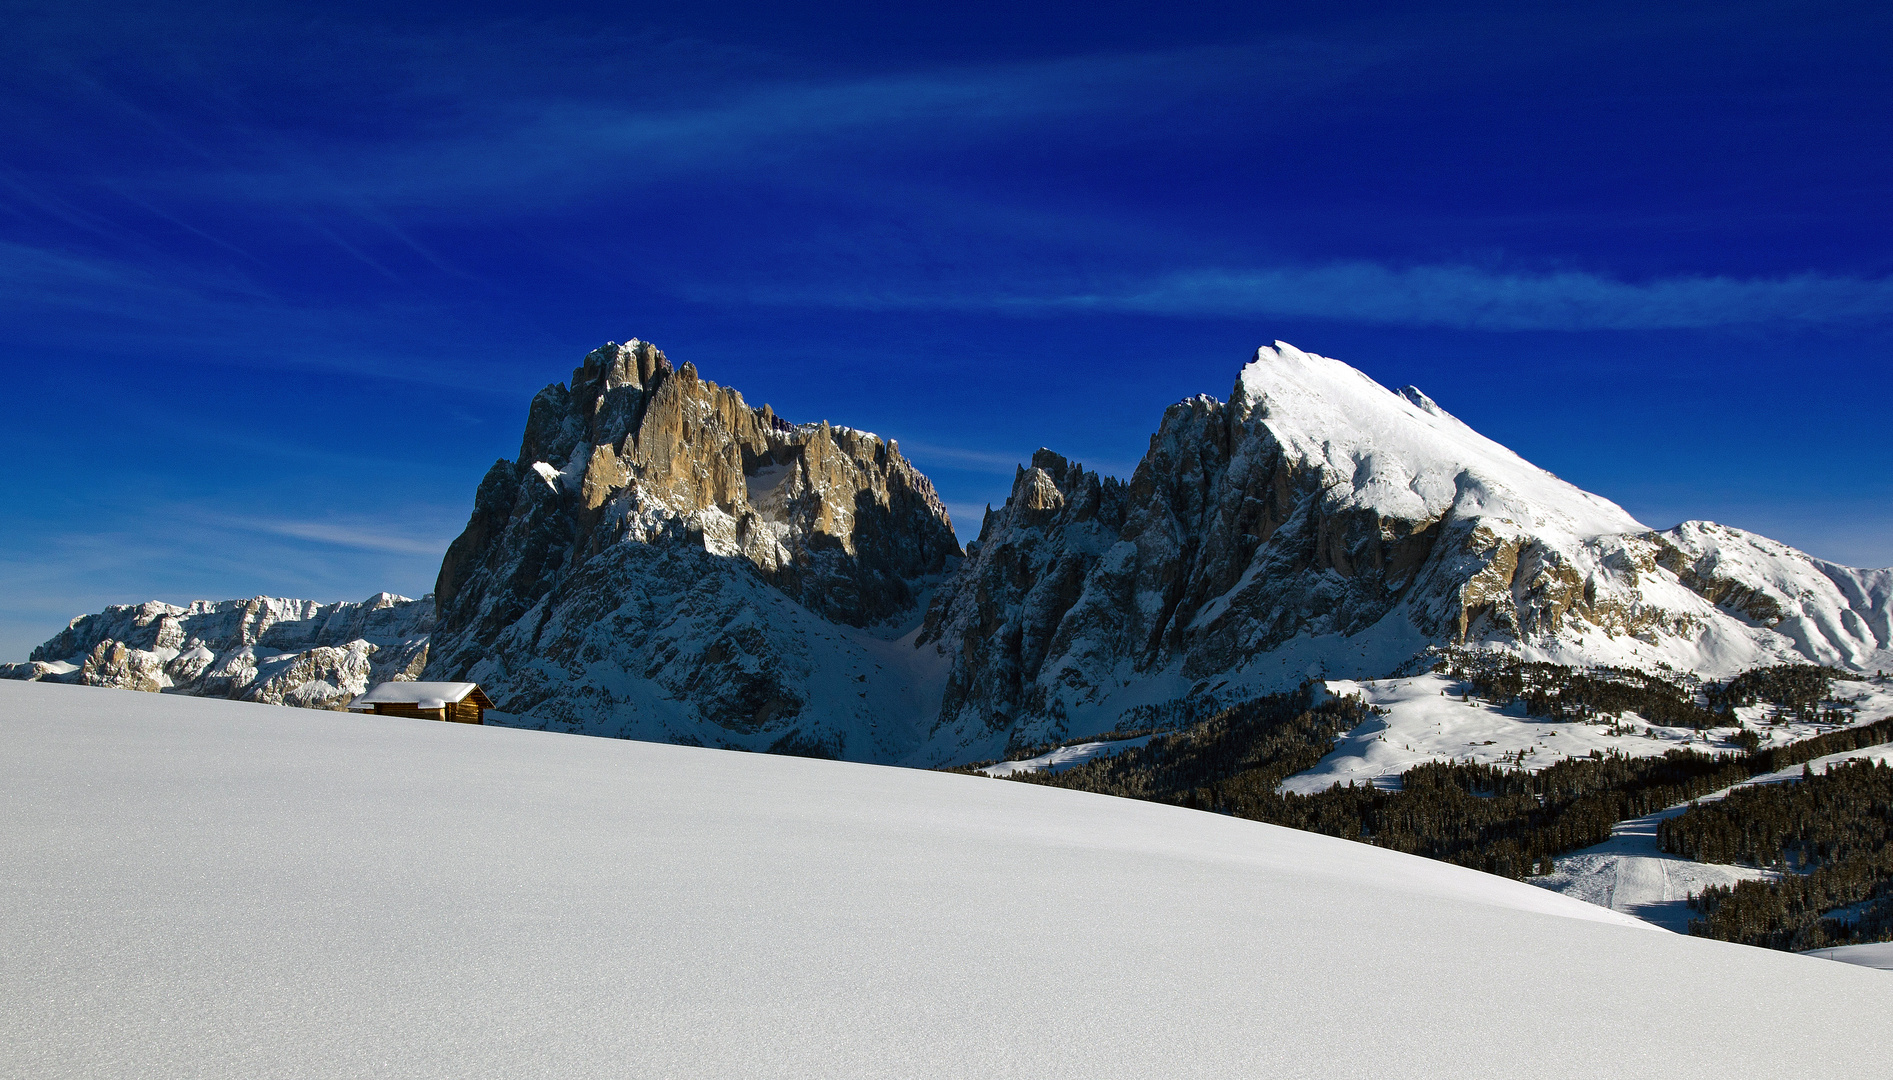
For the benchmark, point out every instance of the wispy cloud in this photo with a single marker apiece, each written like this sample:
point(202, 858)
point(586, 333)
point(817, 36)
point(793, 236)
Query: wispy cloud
point(358, 535)
point(1461, 297)
point(955, 457)
point(1472, 298)
point(539, 151)
point(66, 299)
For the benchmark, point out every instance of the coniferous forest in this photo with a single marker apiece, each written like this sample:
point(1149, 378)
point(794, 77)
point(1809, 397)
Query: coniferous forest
point(1827, 834)
point(1830, 830)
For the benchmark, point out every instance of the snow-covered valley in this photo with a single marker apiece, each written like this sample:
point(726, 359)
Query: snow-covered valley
point(224, 889)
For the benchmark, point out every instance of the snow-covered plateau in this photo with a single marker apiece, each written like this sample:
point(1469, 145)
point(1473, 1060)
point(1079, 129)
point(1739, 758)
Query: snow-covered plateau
point(212, 888)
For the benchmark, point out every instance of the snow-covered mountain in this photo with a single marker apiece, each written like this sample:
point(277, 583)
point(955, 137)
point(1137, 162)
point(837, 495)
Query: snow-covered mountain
point(224, 890)
point(1318, 524)
point(663, 561)
point(268, 649)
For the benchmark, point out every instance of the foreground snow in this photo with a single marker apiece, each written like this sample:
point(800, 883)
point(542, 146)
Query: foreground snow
point(220, 889)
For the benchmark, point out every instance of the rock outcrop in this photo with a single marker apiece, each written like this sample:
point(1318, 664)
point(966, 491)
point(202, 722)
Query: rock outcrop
point(283, 652)
point(663, 560)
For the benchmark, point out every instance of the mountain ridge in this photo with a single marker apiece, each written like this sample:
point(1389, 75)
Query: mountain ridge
point(266, 649)
point(664, 561)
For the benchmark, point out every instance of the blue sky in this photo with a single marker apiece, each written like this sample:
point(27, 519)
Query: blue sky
point(276, 282)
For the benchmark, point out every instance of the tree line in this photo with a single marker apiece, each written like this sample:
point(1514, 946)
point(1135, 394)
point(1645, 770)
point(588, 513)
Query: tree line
point(1505, 821)
point(1589, 694)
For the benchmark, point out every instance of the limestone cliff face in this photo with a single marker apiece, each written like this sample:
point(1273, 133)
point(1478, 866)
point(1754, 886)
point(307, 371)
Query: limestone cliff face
point(267, 649)
point(1318, 524)
point(645, 497)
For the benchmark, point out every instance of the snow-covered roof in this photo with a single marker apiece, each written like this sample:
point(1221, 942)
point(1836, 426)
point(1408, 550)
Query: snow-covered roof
point(423, 695)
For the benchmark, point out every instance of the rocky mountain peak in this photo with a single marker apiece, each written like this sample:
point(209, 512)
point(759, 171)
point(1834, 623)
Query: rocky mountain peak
point(1038, 490)
point(636, 456)
point(1320, 523)
point(635, 449)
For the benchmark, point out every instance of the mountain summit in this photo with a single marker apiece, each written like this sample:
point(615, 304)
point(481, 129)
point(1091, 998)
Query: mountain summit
point(1318, 524)
point(664, 561)
point(1398, 454)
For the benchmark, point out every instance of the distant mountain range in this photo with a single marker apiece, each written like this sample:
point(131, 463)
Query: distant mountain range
point(663, 561)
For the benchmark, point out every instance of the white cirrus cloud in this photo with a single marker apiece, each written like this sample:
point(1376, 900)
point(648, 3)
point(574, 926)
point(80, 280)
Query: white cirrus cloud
point(1456, 296)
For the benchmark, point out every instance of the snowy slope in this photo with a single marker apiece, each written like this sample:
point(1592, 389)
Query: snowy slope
point(1424, 719)
point(1877, 955)
point(1828, 613)
point(1058, 759)
point(219, 889)
point(1402, 455)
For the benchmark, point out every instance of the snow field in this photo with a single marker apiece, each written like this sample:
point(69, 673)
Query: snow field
point(221, 889)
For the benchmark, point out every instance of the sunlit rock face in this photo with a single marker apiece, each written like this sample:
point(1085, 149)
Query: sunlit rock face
point(1317, 523)
point(663, 559)
point(268, 649)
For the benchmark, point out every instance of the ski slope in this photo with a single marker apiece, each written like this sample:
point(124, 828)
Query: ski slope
point(221, 889)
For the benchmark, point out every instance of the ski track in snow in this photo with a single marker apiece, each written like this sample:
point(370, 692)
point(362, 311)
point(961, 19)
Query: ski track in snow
point(219, 889)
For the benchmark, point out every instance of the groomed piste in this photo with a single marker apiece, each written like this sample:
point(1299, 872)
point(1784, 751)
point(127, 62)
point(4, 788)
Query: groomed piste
point(219, 889)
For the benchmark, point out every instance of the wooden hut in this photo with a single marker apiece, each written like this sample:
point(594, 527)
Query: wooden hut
point(460, 702)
